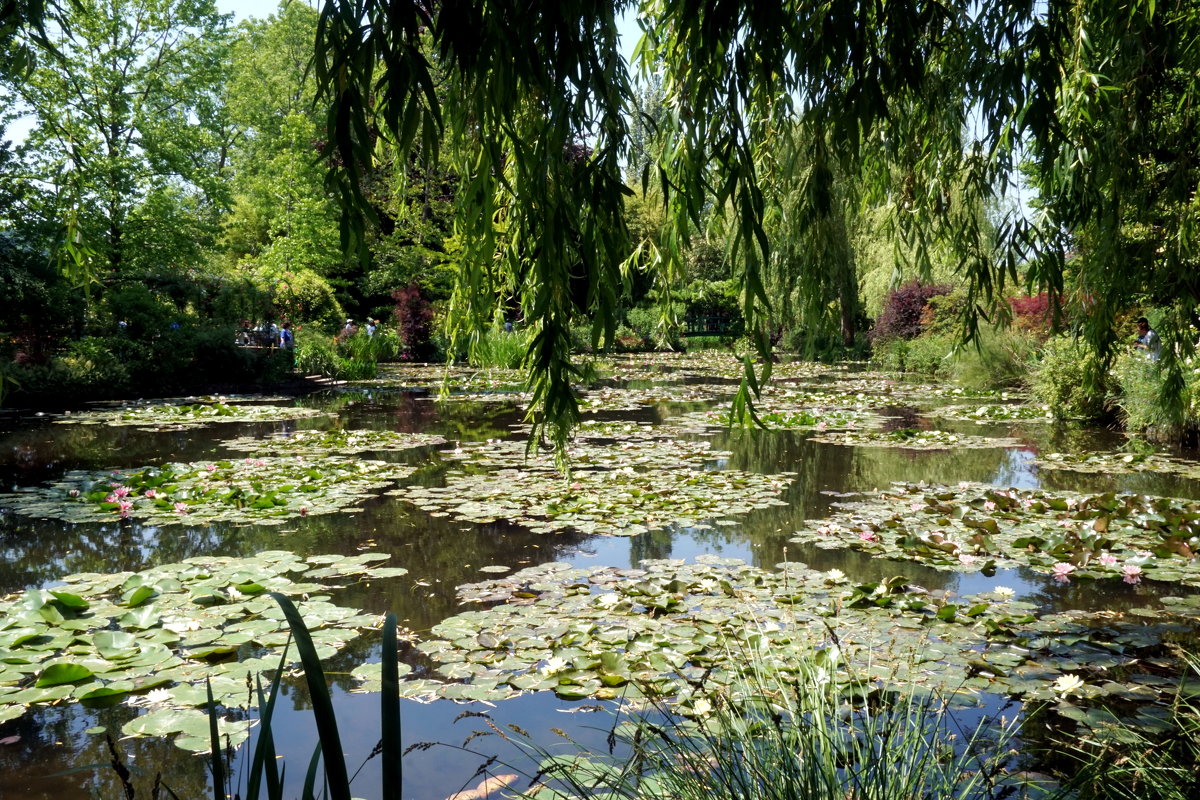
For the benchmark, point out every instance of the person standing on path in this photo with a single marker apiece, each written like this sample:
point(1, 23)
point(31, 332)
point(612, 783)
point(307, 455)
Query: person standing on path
point(1147, 339)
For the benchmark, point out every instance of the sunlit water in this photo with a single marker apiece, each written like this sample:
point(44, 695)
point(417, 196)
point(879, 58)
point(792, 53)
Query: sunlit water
point(441, 553)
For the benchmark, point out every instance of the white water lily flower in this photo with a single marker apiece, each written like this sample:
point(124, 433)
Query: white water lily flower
point(1004, 592)
point(607, 600)
point(702, 707)
point(182, 625)
point(553, 664)
point(835, 576)
point(1065, 684)
point(156, 696)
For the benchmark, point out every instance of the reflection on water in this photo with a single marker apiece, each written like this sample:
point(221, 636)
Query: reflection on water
point(441, 553)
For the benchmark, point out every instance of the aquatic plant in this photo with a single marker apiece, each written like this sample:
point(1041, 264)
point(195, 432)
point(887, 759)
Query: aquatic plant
point(265, 490)
point(182, 416)
point(155, 638)
point(975, 527)
point(337, 441)
point(911, 439)
point(612, 490)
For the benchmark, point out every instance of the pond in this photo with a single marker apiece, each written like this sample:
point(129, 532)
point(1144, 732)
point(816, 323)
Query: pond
point(969, 537)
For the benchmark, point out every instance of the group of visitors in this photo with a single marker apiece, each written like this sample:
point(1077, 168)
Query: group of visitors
point(266, 335)
point(349, 329)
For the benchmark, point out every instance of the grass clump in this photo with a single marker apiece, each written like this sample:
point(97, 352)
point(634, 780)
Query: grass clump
point(804, 733)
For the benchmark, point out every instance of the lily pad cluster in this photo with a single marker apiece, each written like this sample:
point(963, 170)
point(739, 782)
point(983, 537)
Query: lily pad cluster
point(435, 377)
point(888, 389)
point(912, 439)
point(263, 490)
point(644, 452)
point(338, 441)
point(995, 412)
point(152, 638)
point(1116, 463)
point(669, 627)
point(975, 527)
point(182, 416)
point(782, 416)
point(614, 399)
point(614, 490)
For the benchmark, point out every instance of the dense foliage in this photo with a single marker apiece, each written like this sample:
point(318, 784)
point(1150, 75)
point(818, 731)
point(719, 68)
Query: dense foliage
point(766, 169)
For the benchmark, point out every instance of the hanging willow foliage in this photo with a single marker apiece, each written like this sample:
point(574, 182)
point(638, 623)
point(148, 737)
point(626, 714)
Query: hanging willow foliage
point(931, 105)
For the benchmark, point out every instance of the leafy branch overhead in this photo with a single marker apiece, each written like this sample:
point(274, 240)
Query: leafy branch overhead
point(932, 107)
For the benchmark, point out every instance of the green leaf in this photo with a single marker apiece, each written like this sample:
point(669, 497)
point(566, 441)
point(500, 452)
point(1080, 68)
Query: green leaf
point(61, 673)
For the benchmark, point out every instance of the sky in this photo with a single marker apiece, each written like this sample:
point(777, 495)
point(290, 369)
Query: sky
point(244, 9)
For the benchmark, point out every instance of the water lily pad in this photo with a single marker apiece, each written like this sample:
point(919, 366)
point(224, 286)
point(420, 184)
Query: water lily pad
point(158, 416)
point(615, 490)
point(338, 441)
point(595, 632)
point(974, 527)
point(995, 412)
point(264, 490)
point(1117, 463)
point(100, 651)
point(912, 439)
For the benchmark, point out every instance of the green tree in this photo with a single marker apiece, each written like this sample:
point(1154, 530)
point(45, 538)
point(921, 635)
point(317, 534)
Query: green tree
point(895, 87)
point(282, 228)
point(123, 113)
point(1119, 180)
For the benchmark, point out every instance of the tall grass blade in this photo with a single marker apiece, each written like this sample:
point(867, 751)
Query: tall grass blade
point(263, 759)
point(391, 747)
point(322, 704)
point(310, 777)
point(214, 737)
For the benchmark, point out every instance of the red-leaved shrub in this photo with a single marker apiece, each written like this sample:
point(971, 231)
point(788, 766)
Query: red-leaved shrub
point(1031, 313)
point(414, 321)
point(901, 315)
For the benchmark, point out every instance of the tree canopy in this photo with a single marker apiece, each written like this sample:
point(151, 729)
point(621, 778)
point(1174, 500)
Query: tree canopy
point(932, 107)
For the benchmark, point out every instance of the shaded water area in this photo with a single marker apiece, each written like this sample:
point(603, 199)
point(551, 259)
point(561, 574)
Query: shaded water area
point(44, 750)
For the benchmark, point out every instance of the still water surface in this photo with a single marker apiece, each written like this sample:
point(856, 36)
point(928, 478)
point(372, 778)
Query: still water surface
point(441, 553)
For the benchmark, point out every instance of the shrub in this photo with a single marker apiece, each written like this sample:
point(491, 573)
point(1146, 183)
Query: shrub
point(1059, 379)
point(1031, 313)
point(497, 347)
point(925, 355)
point(942, 312)
point(414, 321)
point(90, 362)
point(999, 359)
point(902, 311)
point(317, 355)
point(644, 329)
point(1139, 383)
point(930, 355)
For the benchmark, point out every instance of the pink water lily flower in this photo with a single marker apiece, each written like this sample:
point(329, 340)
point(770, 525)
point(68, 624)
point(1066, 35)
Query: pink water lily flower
point(73, 493)
point(989, 505)
point(1132, 573)
point(1107, 560)
point(181, 508)
point(1062, 571)
point(124, 507)
point(121, 491)
point(112, 498)
point(868, 536)
point(211, 468)
point(151, 493)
